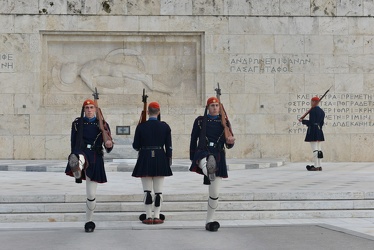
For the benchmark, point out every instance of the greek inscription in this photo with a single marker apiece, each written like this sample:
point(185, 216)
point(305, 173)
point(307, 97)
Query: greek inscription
point(342, 110)
point(266, 64)
point(6, 62)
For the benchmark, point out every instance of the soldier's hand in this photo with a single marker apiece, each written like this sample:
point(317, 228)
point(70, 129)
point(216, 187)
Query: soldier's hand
point(230, 140)
point(108, 144)
point(300, 120)
point(170, 162)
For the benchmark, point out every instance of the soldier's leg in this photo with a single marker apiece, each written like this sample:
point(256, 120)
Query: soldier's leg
point(209, 166)
point(213, 204)
point(91, 187)
point(319, 156)
point(314, 146)
point(77, 163)
point(158, 183)
point(147, 183)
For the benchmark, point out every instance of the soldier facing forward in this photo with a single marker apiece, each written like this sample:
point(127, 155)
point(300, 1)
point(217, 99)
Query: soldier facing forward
point(86, 158)
point(208, 156)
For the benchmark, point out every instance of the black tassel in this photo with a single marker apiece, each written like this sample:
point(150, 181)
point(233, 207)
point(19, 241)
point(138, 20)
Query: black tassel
point(202, 137)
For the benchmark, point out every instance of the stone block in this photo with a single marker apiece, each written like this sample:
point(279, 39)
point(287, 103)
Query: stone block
point(323, 8)
point(135, 7)
point(15, 125)
point(362, 149)
point(237, 7)
point(368, 45)
point(151, 23)
point(6, 143)
point(9, 107)
point(348, 44)
point(368, 7)
point(29, 147)
point(207, 7)
point(249, 103)
point(334, 25)
point(334, 64)
point(224, 43)
point(259, 83)
point(287, 124)
point(23, 7)
point(289, 83)
point(361, 26)
point(349, 8)
point(303, 25)
point(229, 83)
point(361, 64)
point(319, 45)
point(258, 25)
point(57, 147)
point(215, 63)
point(238, 123)
point(273, 103)
point(260, 124)
point(368, 83)
point(248, 143)
point(55, 7)
point(349, 83)
point(121, 7)
point(292, 8)
point(280, 149)
point(176, 7)
point(8, 23)
point(334, 148)
point(316, 84)
point(300, 150)
point(265, 7)
point(24, 24)
point(259, 44)
point(289, 44)
point(90, 7)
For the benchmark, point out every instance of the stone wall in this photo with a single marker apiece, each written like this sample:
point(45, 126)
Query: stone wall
point(269, 56)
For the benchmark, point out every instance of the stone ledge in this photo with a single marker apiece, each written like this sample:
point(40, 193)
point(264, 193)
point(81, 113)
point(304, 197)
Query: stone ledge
point(127, 165)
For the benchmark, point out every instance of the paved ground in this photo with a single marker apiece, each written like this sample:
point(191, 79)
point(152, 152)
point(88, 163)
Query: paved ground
point(338, 233)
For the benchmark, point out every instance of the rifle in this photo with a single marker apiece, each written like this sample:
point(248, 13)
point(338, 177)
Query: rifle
point(143, 115)
point(224, 118)
point(102, 124)
point(320, 99)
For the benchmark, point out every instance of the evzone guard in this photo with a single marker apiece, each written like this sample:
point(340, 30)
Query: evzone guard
point(89, 133)
point(314, 134)
point(153, 141)
point(210, 134)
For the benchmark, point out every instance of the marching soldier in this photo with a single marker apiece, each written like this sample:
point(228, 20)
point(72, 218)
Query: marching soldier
point(314, 133)
point(86, 158)
point(153, 141)
point(207, 154)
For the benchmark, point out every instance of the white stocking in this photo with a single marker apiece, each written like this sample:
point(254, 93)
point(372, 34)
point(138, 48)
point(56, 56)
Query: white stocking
point(316, 146)
point(147, 183)
point(158, 183)
point(91, 187)
point(202, 165)
point(213, 198)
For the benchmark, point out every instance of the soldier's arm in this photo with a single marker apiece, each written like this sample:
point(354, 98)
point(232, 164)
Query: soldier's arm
point(136, 143)
point(108, 149)
point(73, 135)
point(194, 137)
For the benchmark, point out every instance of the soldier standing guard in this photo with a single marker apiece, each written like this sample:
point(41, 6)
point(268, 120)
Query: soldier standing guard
point(86, 158)
point(314, 133)
point(153, 141)
point(207, 154)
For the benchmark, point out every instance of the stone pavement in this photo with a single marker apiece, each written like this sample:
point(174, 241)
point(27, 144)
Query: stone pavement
point(291, 180)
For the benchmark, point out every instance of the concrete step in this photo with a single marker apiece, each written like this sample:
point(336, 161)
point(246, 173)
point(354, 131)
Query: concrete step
point(127, 165)
point(188, 216)
point(260, 196)
point(245, 206)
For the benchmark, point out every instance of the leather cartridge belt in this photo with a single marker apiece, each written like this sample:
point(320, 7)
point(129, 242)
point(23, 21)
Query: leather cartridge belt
point(91, 147)
point(214, 145)
point(151, 148)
